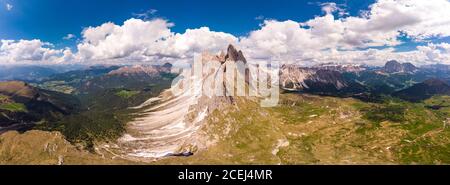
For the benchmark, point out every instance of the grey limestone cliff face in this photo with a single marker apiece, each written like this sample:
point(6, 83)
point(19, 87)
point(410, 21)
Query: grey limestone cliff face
point(171, 123)
point(393, 66)
point(298, 78)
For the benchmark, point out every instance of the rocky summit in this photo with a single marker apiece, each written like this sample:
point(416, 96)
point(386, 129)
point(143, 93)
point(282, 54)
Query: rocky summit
point(171, 123)
point(330, 113)
point(393, 66)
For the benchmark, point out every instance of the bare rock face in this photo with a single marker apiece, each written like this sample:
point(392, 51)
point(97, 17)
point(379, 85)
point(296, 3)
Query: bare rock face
point(170, 125)
point(352, 68)
point(408, 67)
point(17, 88)
point(293, 77)
point(393, 66)
point(231, 56)
point(334, 78)
point(310, 79)
point(234, 55)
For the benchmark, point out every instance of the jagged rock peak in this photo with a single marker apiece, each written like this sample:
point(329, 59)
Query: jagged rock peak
point(167, 65)
point(393, 66)
point(234, 55)
point(409, 67)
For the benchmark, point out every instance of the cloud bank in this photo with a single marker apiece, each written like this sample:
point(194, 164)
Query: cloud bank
point(369, 38)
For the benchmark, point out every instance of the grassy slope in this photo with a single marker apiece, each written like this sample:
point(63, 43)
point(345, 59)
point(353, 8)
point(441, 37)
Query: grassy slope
point(127, 94)
point(324, 130)
point(104, 114)
point(48, 148)
point(13, 107)
point(303, 129)
point(3, 98)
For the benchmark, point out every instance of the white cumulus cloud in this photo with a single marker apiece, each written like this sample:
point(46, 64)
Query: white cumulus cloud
point(381, 25)
point(148, 40)
point(25, 51)
point(333, 36)
point(135, 36)
point(9, 6)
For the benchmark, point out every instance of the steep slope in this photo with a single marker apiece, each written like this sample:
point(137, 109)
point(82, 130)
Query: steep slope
point(169, 124)
point(310, 129)
point(25, 73)
point(129, 77)
point(105, 95)
point(424, 90)
point(70, 82)
point(393, 66)
point(303, 129)
point(22, 105)
point(46, 148)
point(293, 77)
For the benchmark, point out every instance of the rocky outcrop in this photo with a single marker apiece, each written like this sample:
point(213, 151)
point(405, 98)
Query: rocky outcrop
point(393, 66)
point(170, 124)
point(293, 77)
point(303, 79)
point(234, 55)
point(409, 68)
point(142, 69)
point(318, 81)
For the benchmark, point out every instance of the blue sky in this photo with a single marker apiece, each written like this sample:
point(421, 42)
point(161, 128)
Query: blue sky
point(311, 31)
point(51, 20)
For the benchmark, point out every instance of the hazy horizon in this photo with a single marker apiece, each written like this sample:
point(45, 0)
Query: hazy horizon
point(305, 33)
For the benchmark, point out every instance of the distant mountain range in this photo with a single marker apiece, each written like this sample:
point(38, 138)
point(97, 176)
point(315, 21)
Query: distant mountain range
point(25, 73)
point(84, 95)
point(34, 73)
point(129, 77)
point(393, 66)
point(132, 113)
point(317, 80)
point(403, 80)
point(325, 79)
point(23, 105)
